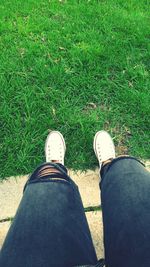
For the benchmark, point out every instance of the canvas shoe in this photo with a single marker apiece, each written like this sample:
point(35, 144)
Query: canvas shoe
point(103, 147)
point(55, 147)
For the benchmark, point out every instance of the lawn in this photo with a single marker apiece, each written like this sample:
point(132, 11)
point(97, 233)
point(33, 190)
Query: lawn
point(74, 66)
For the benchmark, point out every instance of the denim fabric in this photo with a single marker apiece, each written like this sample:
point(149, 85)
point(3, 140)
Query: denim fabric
point(50, 228)
point(125, 194)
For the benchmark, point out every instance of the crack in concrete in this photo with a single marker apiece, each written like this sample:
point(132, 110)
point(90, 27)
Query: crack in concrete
point(8, 219)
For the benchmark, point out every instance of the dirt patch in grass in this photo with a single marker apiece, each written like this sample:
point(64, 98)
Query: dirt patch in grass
point(121, 136)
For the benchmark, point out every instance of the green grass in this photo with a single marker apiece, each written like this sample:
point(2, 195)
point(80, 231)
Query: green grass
point(74, 66)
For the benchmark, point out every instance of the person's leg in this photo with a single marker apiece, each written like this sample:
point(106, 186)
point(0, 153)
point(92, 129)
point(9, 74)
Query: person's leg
point(50, 227)
point(125, 191)
point(125, 195)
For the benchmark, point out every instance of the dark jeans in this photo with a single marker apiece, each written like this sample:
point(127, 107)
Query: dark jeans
point(50, 227)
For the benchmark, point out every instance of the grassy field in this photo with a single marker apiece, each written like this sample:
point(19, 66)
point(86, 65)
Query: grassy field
point(74, 66)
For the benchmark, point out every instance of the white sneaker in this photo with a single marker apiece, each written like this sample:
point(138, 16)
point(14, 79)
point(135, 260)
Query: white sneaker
point(103, 147)
point(55, 147)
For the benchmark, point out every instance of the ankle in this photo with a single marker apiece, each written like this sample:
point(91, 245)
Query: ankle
point(106, 162)
point(110, 160)
point(55, 161)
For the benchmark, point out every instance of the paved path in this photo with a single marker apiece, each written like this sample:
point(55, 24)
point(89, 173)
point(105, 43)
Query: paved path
point(11, 193)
